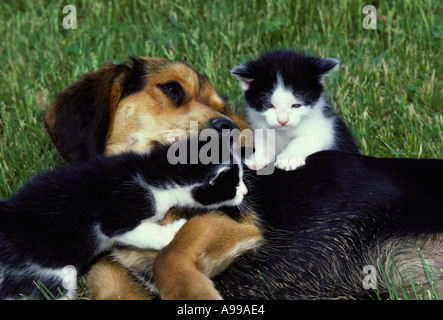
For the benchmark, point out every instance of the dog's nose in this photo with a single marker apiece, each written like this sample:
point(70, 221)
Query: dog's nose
point(222, 123)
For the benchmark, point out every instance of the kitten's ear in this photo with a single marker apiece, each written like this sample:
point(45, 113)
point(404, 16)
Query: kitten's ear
point(216, 175)
point(241, 72)
point(327, 65)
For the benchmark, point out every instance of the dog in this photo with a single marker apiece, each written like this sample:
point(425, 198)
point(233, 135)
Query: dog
point(311, 233)
point(343, 226)
point(131, 107)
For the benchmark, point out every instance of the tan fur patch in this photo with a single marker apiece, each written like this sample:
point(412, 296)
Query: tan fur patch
point(406, 261)
point(146, 117)
point(108, 280)
point(202, 248)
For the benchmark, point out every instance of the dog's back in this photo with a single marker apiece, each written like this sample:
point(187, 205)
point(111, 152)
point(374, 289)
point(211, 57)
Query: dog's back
point(328, 220)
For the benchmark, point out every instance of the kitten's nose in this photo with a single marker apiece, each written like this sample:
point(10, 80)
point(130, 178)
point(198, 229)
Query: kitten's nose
point(243, 189)
point(283, 122)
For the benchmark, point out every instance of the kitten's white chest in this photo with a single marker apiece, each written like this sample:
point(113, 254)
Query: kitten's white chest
point(283, 137)
point(292, 143)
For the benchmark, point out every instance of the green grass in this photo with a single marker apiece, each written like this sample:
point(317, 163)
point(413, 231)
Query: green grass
point(388, 88)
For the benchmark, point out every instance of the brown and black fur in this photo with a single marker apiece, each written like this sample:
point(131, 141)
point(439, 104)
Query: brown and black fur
point(321, 223)
point(326, 221)
point(102, 112)
point(128, 107)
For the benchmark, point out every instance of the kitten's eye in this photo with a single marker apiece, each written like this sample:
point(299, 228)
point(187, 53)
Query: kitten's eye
point(268, 106)
point(296, 105)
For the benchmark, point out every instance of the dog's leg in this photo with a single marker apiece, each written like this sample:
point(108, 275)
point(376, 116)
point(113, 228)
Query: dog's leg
point(201, 249)
point(109, 280)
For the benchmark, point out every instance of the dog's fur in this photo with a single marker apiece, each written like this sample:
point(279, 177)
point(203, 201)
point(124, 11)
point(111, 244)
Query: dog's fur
point(121, 107)
point(127, 107)
point(334, 216)
point(323, 222)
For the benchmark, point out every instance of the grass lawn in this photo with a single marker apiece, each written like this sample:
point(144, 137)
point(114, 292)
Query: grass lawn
point(388, 88)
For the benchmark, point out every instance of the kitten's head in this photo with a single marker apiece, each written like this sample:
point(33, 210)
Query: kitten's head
point(209, 173)
point(281, 87)
point(222, 186)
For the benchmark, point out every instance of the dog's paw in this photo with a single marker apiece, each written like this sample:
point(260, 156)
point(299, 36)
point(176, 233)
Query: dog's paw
point(290, 162)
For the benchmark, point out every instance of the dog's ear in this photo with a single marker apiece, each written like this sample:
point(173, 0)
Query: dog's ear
point(244, 74)
point(78, 119)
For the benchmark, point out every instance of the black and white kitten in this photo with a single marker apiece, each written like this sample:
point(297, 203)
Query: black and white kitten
point(284, 91)
point(68, 216)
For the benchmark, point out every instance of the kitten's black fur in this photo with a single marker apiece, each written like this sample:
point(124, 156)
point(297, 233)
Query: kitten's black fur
point(340, 212)
point(53, 221)
point(302, 73)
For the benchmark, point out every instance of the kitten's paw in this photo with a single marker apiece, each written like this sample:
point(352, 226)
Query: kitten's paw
point(255, 162)
point(289, 161)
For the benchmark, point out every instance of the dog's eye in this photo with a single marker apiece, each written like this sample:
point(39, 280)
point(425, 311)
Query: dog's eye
point(268, 106)
point(173, 90)
point(296, 105)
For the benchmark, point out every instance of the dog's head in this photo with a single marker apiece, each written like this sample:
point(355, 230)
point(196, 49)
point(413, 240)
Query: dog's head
point(133, 105)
